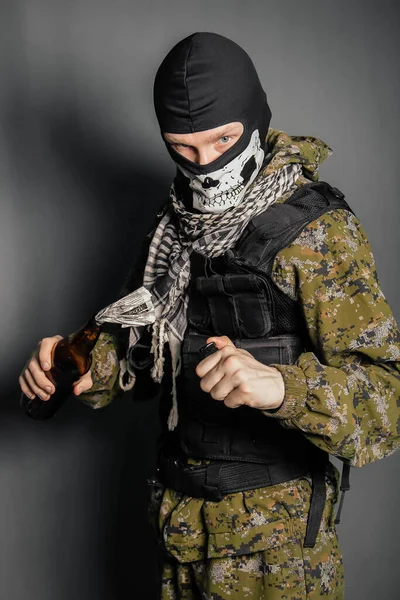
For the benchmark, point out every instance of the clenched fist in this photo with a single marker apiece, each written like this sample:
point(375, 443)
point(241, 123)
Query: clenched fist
point(234, 376)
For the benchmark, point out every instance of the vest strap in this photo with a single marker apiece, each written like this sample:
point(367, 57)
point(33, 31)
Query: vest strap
point(214, 481)
point(317, 504)
point(344, 487)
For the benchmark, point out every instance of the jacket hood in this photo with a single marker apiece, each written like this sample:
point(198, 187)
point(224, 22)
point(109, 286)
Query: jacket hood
point(284, 149)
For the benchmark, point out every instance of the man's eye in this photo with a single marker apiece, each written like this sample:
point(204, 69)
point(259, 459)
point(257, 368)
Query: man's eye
point(225, 139)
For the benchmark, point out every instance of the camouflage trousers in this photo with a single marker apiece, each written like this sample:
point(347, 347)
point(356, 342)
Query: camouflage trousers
point(289, 573)
point(249, 545)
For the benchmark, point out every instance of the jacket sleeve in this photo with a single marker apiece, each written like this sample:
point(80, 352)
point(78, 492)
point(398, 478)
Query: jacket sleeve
point(343, 394)
point(105, 373)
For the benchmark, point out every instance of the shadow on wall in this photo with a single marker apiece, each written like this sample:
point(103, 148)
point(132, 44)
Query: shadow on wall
point(103, 203)
point(124, 196)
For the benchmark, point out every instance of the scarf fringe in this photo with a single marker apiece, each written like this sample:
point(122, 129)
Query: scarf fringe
point(176, 368)
point(157, 348)
point(125, 367)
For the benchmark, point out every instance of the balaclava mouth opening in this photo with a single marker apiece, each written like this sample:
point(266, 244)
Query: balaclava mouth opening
point(206, 81)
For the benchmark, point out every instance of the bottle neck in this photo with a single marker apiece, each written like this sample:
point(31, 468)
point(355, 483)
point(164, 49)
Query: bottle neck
point(86, 337)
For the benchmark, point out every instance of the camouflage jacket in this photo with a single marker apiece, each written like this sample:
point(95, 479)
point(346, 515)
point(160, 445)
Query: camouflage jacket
point(347, 403)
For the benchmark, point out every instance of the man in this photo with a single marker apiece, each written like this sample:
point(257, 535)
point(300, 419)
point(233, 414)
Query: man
point(253, 254)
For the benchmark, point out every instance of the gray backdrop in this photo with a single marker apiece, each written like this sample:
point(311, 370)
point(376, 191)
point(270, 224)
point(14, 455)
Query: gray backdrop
point(83, 172)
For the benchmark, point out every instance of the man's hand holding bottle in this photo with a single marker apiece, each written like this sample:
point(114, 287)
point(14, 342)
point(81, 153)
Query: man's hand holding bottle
point(57, 368)
point(33, 379)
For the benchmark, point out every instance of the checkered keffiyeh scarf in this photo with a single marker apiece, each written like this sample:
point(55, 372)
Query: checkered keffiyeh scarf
point(167, 271)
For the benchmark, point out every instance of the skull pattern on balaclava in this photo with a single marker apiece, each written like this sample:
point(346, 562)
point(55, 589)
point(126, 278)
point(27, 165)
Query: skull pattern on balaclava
point(206, 81)
point(225, 187)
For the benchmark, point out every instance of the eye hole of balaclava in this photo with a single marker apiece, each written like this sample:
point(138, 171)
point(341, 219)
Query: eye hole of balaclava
point(206, 81)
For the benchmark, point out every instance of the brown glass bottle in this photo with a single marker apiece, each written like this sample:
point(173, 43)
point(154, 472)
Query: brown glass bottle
point(71, 360)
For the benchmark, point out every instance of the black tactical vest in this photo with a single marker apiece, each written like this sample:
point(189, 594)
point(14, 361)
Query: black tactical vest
point(235, 295)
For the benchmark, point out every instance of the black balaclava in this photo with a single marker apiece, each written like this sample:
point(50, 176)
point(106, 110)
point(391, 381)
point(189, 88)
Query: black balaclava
point(206, 81)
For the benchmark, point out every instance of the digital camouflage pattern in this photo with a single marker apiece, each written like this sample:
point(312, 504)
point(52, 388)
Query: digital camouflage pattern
point(344, 397)
point(249, 545)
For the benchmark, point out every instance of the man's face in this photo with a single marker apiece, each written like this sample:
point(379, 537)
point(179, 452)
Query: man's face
point(203, 147)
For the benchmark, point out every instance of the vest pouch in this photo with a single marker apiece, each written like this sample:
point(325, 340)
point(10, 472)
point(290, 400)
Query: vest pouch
point(192, 400)
point(209, 429)
point(279, 349)
point(248, 431)
point(238, 305)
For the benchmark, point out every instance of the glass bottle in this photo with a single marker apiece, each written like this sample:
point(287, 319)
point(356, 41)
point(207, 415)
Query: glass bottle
point(71, 359)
